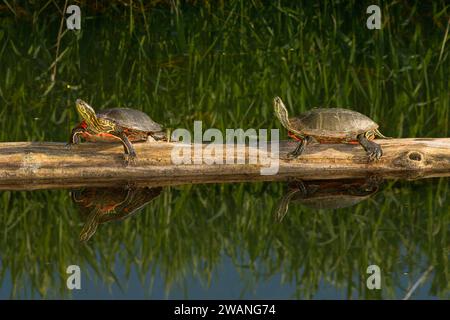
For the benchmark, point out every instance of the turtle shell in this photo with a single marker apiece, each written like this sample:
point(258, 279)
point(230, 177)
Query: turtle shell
point(334, 194)
point(101, 205)
point(333, 123)
point(131, 119)
point(113, 203)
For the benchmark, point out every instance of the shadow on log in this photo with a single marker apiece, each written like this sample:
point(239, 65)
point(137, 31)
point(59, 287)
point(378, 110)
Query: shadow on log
point(35, 165)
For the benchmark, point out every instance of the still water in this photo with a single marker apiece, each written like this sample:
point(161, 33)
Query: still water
point(227, 241)
point(223, 65)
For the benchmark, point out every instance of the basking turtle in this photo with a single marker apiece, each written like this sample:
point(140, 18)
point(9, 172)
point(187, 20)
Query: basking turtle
point(332, 125)
point(101, 205)
point(126, 125)
point(327, 194)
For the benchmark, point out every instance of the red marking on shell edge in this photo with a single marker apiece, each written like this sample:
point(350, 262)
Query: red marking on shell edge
point(83, 124)
point(108, 208)
point(102, 136)
point(106, 135)
point(336, 141)
point(293, 136)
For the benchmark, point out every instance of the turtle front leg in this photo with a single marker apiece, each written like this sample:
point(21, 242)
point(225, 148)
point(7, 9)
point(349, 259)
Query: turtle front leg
point(74, 136)
point(300, 147)
point(373, 150)
point(130, 153)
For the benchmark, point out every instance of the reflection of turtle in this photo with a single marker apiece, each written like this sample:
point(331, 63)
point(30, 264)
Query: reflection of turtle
point(327, 194)
point(123, 124)
point(332, 125)
point(100, 205)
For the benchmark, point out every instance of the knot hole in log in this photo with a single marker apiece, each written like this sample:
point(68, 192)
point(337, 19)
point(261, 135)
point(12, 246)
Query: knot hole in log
point(411, 160)
point(415, 156)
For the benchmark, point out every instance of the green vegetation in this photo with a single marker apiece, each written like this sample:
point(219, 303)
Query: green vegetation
point(186, 231)
point(222, 64)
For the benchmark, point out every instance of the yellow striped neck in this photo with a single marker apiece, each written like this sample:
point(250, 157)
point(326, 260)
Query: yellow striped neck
point(94, 123)
point(97, 125)
point(282, 113)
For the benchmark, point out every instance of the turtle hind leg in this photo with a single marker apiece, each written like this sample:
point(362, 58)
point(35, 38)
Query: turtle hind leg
point(373, 150)
point(130, 153)
point(300, 147)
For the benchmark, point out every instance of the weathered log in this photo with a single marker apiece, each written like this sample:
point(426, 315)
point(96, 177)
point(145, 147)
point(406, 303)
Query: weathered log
point(39, 165)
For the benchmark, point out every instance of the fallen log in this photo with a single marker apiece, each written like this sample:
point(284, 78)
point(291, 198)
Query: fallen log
point(42, 165)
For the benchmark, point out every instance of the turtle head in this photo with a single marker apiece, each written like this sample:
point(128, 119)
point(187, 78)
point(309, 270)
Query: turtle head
point(281, 112)
point(87, 113)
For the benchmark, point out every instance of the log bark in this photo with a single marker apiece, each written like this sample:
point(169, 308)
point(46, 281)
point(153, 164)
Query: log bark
point(41, 165)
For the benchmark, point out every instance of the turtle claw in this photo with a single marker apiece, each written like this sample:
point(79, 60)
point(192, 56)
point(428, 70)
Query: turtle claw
point(292, 155)
point(130, 185)
point(374, 180)
point(374, 153)
point(130, 159)
point(298, 151)
point(68, 146)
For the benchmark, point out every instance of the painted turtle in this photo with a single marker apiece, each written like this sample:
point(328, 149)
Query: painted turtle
point(330, 125)
point(101, 205)
point(126, 125)
point(327, 194)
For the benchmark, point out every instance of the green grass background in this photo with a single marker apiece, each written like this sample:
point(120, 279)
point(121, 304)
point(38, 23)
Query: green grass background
point(222, 62)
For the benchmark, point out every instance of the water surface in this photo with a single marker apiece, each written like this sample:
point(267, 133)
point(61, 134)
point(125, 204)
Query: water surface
point(223, 65)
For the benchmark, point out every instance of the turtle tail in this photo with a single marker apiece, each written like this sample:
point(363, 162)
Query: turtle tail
point(162, 135)
point(380, 135)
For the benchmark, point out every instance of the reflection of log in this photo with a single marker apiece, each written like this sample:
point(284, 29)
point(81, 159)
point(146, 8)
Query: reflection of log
point(25, 165)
